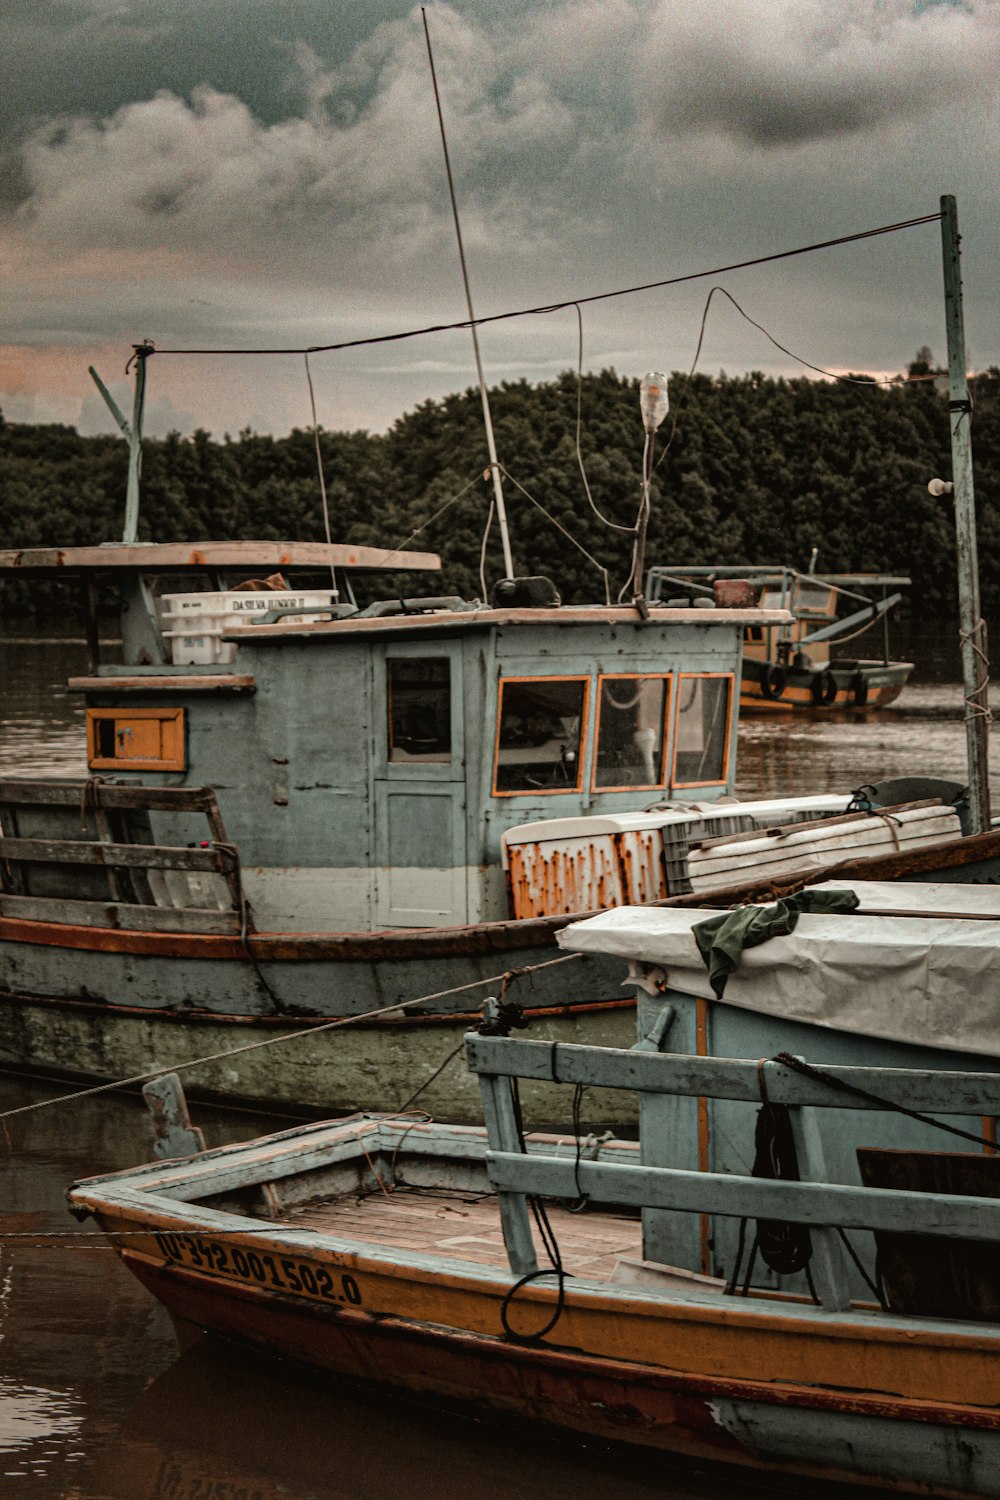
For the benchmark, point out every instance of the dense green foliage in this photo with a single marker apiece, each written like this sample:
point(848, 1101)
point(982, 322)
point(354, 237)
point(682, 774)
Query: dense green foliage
point(758, 470)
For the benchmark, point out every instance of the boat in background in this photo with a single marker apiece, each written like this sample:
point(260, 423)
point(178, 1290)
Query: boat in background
point(537, 1277)
point(790, 666)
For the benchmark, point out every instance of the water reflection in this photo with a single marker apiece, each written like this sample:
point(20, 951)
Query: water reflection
point(90, 1360)
point(41, 723)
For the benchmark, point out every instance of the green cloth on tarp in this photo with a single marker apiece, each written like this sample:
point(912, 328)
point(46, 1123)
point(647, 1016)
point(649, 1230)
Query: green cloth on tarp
point(722, 939)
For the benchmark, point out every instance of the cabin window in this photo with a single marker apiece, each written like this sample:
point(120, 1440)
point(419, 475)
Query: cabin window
point(540, 734)
point(753, 633)
point(631, 714)
point(135, 739)
point(419, 690)
point(702, 734)
point(814, 599)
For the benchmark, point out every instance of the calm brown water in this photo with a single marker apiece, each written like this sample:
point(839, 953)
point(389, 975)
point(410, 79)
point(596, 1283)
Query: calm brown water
point(95, 1403)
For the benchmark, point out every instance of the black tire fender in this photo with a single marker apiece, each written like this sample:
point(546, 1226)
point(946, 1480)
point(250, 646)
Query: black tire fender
point(823, 688)
point(859, 687)
point(773, 680)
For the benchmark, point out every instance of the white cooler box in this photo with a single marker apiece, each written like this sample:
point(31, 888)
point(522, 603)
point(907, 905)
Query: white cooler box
point(195, 623)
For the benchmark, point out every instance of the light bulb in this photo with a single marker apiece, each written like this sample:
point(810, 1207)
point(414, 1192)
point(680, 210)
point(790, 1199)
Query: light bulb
point(653, 400)
point(939, 487)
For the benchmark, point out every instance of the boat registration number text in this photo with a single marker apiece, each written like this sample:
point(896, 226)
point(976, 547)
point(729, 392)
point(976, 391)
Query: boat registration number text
point(281, 1273)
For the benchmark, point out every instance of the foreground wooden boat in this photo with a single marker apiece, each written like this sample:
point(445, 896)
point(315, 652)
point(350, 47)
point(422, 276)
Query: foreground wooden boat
point(443, 1262)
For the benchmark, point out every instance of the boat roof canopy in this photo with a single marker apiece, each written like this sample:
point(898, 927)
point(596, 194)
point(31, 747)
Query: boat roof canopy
point(776, 572)
point(198, 557)
point(482, 618)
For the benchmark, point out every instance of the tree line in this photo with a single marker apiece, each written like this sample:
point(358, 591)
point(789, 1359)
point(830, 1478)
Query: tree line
point(747, 469)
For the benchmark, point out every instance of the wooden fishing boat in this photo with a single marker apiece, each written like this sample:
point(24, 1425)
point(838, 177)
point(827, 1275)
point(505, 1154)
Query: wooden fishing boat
point(296, 808)
point(535, 1277)
point(364, 818)
point(790, 666)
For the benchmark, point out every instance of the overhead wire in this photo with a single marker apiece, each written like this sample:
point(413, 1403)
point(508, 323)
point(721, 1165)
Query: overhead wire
point(551, 307)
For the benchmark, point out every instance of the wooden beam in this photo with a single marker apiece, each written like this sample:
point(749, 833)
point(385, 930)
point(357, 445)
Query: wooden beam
point(930, 1092)
point(15, 793)
point(201, 557)
point(118, 856)
point(120, 915)
point(177, 682)
point(812, 1203)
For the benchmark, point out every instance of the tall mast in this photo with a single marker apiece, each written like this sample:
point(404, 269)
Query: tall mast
point(484, 397)
point(975, 660)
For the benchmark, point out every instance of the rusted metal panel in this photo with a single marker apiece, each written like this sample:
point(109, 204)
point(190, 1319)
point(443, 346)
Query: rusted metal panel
point(568, 875)
point(640, 854)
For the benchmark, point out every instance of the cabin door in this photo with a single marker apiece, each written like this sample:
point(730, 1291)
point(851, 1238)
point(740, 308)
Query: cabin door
point(420, 787)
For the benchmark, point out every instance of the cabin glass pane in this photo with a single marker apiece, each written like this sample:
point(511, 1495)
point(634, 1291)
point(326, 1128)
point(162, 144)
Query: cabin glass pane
point(814, 599)
point(539, 738)
point(702, 729)
point(419, 706)
point(631, 712)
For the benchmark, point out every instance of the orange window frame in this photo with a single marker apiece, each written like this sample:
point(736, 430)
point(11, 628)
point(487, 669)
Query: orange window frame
point(171, 758)
point(539, 791)
point(720, 780)
point(667, 678)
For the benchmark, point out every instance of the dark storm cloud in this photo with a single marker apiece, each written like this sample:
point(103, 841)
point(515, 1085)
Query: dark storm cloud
point(250, 172)
point(780, 73)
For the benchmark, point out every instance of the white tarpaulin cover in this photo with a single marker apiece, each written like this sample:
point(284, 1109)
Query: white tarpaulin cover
point(929, 973)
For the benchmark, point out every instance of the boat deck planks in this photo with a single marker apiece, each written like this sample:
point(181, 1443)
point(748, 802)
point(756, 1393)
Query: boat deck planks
point(430, 1221)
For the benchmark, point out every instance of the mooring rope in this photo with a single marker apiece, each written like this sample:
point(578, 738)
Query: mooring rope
point(274, 1041)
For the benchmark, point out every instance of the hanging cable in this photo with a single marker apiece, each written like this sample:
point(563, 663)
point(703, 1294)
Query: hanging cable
point(560, 527)
point(553, 307)
point(482, 552)
point(430, 520)
point(614, 525)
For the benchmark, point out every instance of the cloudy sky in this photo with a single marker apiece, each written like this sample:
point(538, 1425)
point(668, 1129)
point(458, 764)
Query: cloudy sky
point(268, 173)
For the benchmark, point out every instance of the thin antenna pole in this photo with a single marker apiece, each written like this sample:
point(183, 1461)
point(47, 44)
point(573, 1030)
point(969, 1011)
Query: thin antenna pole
point(975, 661)
point(132, 432)
point(487, 418)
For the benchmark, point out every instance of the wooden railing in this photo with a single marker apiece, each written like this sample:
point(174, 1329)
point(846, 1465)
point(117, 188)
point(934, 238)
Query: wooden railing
point(824, 1206)
point(83, 853)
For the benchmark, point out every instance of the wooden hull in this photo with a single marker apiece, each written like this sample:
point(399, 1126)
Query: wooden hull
point(375, 1066)
point(860, 684)
point(852, 1403)
point(105, 1003)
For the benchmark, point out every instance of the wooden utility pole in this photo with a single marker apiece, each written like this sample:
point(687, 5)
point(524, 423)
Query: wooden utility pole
point(975, 657)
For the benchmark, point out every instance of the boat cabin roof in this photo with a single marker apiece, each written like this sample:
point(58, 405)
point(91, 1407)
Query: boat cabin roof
point(772, 573)
point(199, 557)
point(441, 621)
